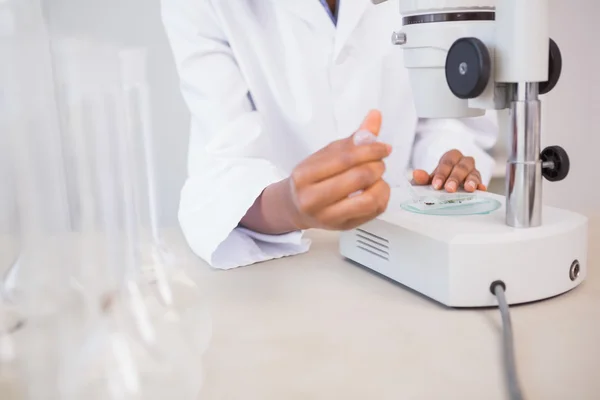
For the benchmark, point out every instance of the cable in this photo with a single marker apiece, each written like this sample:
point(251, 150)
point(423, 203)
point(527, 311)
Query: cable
point(498, 288)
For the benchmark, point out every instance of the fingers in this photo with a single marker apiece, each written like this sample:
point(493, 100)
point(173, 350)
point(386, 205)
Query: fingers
point(342, 181)
point(454, 171)
point(355, 223)
point(345, 154)
point(473, 181)
point(330, 191)
point(336, 158)
point(444, 169)
point(421, 177)
point(364, 207)
point(459, 173)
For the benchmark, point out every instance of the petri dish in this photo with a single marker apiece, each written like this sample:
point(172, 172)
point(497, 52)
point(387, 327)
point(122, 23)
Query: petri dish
point(452, 204)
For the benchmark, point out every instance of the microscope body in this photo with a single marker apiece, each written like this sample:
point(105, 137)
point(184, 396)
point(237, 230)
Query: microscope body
point(464, 58)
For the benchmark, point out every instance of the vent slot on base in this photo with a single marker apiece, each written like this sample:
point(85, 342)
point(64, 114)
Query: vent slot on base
point(373, 244)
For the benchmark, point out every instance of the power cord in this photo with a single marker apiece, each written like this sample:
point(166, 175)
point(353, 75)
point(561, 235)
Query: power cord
point(498, 288)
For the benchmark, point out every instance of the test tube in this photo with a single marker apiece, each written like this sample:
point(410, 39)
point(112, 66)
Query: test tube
point(175, 307)
point(137, 113)
point(164, 273)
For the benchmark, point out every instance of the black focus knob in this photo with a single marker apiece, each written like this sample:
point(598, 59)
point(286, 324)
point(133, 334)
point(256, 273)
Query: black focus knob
point(468, 68)
point(554, 69)
point(555, 163)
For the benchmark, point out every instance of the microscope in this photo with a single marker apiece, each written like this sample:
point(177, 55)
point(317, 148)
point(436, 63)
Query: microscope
point(465, 57)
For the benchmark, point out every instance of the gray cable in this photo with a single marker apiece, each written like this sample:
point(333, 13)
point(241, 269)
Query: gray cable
point(509, 346)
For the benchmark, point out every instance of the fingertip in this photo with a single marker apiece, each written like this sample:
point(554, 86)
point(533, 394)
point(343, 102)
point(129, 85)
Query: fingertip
point(420, 177)
point(482, 187)
point(470, 186)
point(372, 122)
point(437, 183)
point(451, 187)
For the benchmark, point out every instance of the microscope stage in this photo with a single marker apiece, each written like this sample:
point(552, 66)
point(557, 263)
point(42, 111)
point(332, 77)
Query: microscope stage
point(455, 259)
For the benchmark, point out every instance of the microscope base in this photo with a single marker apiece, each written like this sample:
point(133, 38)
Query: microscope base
point(454, 259)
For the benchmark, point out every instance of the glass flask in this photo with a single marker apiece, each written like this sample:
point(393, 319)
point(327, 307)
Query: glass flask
point(96, 67)
point(136, 344)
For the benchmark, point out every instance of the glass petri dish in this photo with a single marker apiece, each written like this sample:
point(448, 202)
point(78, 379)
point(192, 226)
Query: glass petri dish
point(452, 204)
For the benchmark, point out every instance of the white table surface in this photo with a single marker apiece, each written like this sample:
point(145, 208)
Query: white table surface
point(318, 327)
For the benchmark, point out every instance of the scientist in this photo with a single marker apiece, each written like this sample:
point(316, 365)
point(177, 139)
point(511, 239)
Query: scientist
point(276, 89)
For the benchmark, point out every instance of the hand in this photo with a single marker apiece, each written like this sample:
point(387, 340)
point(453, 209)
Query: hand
point(340, 187)
point(454, 171)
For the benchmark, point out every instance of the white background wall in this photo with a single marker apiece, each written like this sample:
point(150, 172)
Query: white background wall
point(571, 113)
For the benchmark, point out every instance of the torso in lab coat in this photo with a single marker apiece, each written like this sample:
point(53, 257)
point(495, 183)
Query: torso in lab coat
point(313, 82)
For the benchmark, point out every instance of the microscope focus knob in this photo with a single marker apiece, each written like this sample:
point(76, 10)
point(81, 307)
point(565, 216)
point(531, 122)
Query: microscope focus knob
point(555, 163)
point(468, 68)
point(554, 69)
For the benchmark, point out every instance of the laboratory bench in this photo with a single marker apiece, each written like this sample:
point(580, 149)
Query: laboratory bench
point(316, 326)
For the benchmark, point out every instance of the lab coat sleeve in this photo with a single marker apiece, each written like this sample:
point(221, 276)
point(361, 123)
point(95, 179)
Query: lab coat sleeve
point(473, 137)
point(227, 166)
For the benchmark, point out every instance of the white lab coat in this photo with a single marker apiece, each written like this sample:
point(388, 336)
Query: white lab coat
point(269, 82)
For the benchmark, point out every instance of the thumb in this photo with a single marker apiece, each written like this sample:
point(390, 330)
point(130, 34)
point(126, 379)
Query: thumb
point(369, 129)
point(421, 177)
point(372, 122)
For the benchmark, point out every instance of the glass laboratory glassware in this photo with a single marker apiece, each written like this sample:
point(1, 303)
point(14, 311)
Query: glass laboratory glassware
point(164, 271)
point(458, 204)
point(85, 69)
point(37, 284)
point(133, 345)
point(127, 352)
point(33, 143)
point(162, 264)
